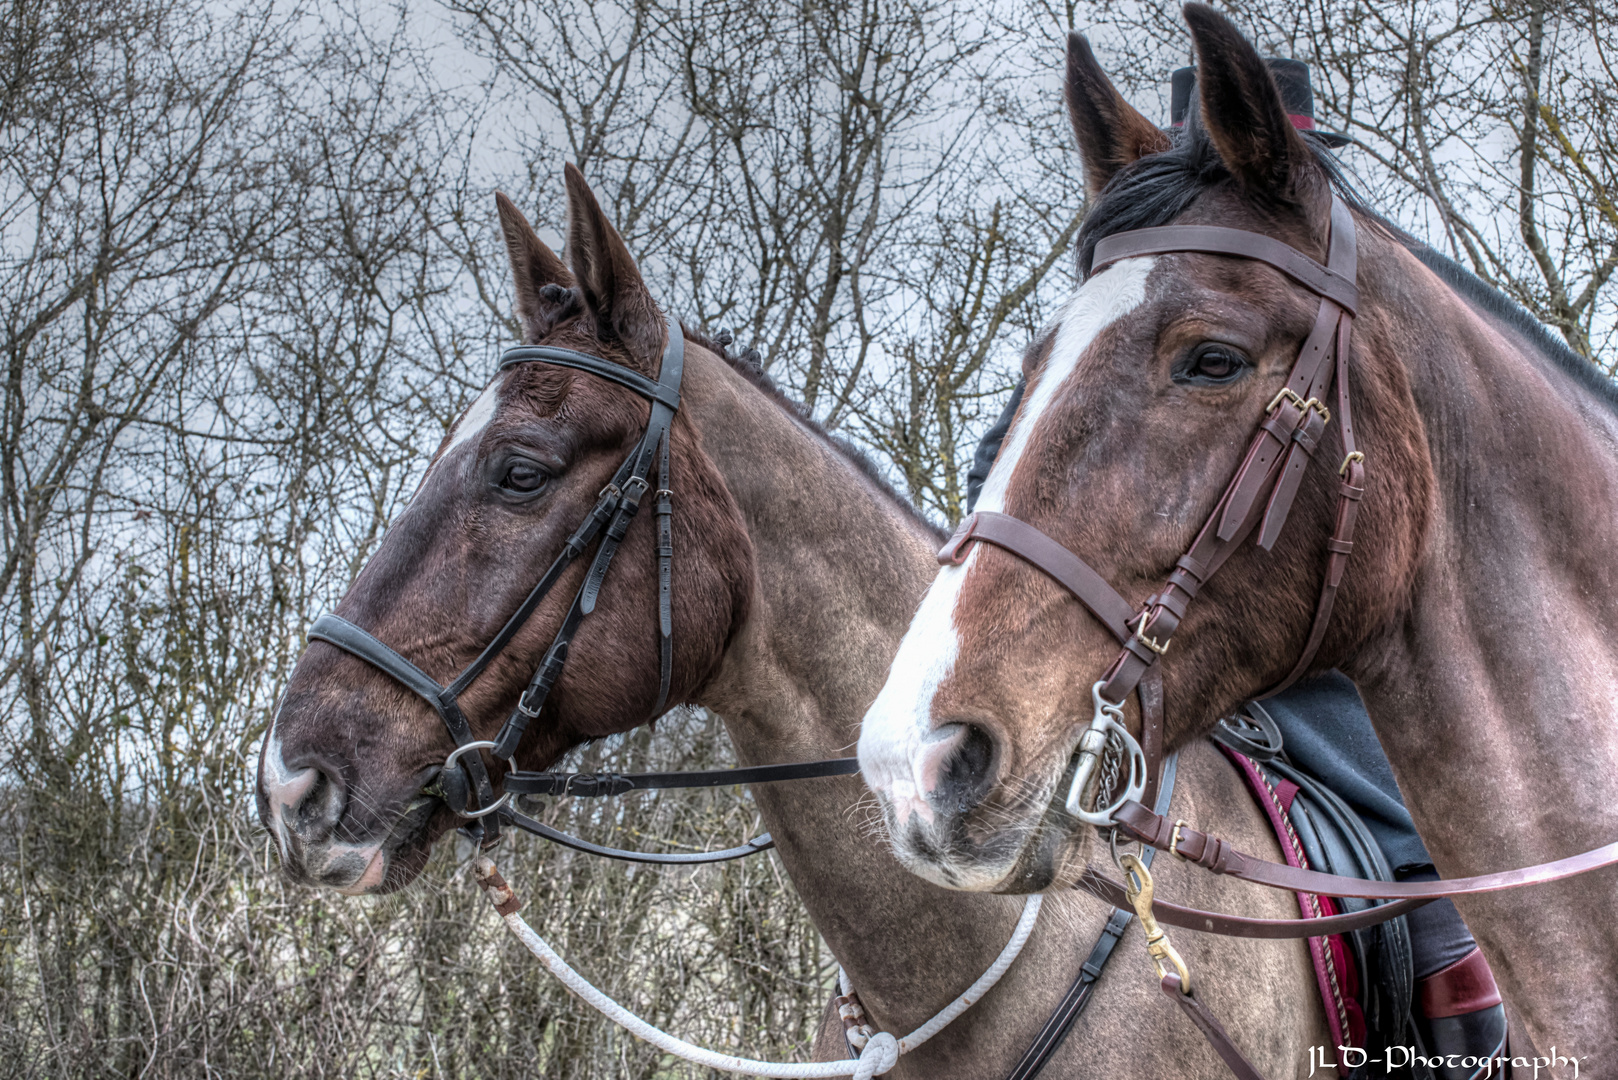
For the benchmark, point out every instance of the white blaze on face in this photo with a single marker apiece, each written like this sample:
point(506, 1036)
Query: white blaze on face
point(468, 427)
point(477, 417)
point(899, 725)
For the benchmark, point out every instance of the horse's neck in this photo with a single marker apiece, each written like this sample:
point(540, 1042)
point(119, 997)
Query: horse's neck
point(1507, 652)
point(840, 571)
point(1496, 697)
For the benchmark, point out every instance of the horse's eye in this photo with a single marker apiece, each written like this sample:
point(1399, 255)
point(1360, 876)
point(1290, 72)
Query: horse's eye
point(523, 477)
point(1212, 364)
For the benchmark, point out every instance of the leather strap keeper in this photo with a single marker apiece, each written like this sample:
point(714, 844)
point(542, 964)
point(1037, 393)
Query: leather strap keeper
point(1464, 987)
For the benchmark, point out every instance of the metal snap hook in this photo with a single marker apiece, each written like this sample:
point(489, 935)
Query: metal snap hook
point(1138, 887)
point(1117, 856)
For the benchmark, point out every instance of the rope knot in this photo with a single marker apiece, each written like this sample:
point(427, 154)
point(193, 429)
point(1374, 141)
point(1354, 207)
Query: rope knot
point(881, 1053)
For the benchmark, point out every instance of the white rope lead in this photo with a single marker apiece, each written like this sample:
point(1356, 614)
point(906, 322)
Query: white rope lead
point(880, 1053)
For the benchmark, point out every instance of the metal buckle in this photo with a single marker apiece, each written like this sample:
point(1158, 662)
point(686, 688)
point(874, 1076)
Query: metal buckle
point(1140, 634)
point(1106, 723)
point(449, 763)
point(1342, 470)
point(610, 489)
point(1286, 393)
point(1174, 838)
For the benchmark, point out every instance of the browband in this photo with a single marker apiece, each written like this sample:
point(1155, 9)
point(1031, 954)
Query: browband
point(1217, 240)
point(665, 391)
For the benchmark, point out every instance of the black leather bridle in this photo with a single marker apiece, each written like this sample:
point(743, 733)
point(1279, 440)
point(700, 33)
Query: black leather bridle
point(464, 774)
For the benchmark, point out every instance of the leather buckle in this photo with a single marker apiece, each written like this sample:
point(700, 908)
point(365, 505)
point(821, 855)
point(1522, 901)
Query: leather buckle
point(595, 785)
point(1342, 470)
point(954, 551)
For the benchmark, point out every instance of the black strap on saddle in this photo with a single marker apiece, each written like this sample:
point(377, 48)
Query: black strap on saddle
point(464, 783)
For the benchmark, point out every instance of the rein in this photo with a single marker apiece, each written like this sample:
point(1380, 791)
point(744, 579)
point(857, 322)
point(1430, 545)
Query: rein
point(463, 784)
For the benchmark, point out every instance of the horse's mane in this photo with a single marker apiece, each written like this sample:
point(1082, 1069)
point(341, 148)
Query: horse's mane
point(1158, 188)
point(747, 364)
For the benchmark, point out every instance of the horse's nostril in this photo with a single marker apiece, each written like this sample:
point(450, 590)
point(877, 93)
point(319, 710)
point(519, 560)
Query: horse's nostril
point(961, 768)
point(308, 801)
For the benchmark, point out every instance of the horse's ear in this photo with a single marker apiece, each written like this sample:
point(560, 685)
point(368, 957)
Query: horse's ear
point(1242, 110)
point(533, 267)
point(1110, 131)
point(613, 290)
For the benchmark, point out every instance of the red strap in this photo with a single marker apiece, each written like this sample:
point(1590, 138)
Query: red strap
point(1465, 986)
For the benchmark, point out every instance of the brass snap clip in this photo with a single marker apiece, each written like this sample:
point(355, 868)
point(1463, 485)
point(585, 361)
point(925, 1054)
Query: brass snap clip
point(1138, 887)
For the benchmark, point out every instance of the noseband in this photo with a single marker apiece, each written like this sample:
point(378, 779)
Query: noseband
point(464, 772)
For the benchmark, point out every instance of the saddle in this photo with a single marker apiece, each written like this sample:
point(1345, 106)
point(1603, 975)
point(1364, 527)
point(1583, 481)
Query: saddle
point(1366, 977)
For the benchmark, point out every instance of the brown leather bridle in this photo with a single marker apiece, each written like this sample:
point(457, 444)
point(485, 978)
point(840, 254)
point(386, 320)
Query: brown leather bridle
point(1259, 496)
point(1276, 460)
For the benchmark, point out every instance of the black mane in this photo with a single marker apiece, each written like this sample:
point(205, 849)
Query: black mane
point(1160, 187)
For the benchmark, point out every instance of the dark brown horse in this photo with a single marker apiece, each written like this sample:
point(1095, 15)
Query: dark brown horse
point(795, 575)
point(1479, 611)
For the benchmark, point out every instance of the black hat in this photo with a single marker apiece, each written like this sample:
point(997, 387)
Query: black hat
point(1292, 76)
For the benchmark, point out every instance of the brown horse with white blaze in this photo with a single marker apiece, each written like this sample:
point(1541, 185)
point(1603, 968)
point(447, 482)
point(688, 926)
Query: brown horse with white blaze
point(1480, 605)
point(795, 574)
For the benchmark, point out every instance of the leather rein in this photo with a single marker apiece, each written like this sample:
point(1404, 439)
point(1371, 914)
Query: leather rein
point(1259, 497)
point(464, 782)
